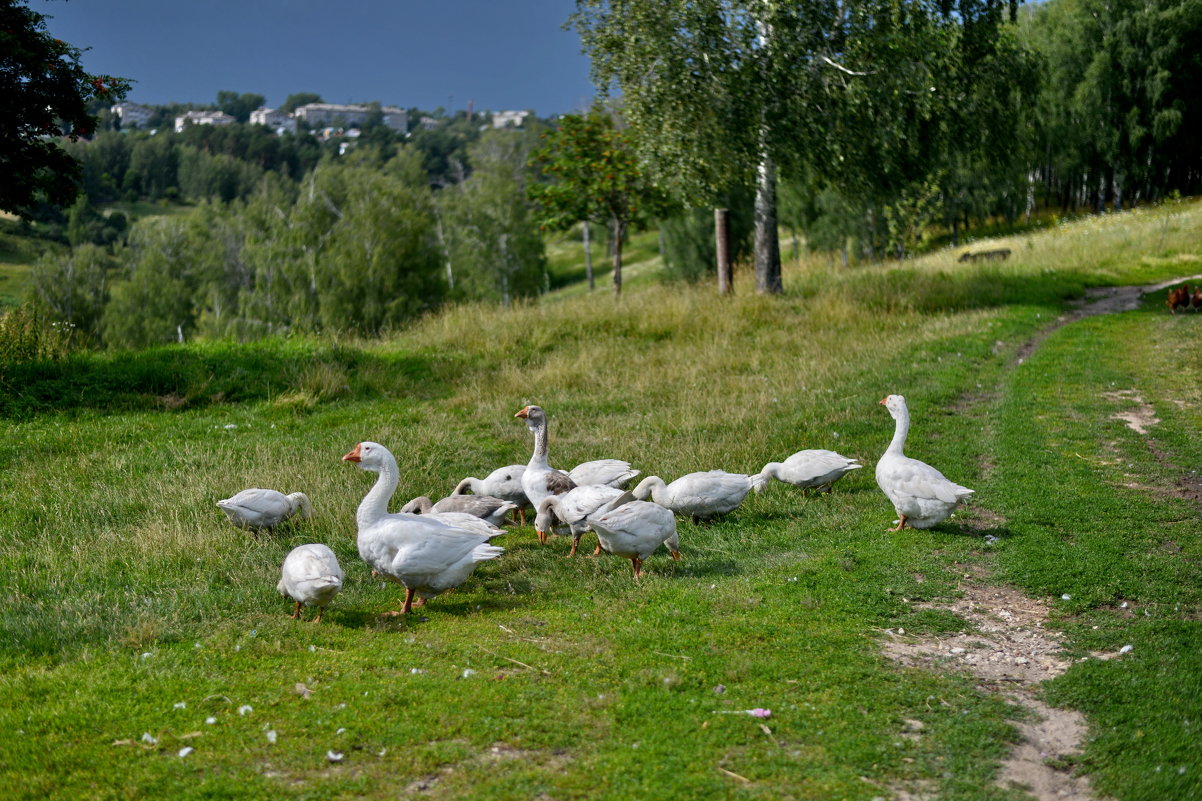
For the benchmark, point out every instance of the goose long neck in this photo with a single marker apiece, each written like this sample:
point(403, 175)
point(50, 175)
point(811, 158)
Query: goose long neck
point(772, 469)
point(539, 457)
point(900, 430)
point(650, 487)
point(375, 504)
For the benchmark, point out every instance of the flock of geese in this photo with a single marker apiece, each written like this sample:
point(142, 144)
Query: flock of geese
point(429, 548)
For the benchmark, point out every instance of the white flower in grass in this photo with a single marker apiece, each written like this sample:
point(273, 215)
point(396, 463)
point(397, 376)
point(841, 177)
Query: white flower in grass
point(245, 709)
point(271, 736)
point(187, 749)
point(147, 737)
point(210, 720)
point(334, 756)
point(1126, 649)
point(181, 705)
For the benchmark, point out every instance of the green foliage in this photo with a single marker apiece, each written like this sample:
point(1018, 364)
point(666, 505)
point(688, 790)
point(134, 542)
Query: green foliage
point(298, 99)
point(239, 106)
point(493, 247)
point(73, 290)
point(690, 250)
point(27, 336)
point(587, 170)
point(46, 93)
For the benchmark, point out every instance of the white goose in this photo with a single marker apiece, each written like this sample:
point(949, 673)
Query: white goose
point(701, 496)
point(264, 508)
point(425, 555)
point(311, 576)
point(812, 469)
point(487, 508)
point(572, 509)
point(921, 494)
point(540, 480)
point(504, 483)
point(634, 529)
point(610, 472)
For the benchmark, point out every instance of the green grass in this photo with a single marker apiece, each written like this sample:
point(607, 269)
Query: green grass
point(128, 593)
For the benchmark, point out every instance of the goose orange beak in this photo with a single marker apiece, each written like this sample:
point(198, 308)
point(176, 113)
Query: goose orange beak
point(542, 537)
point(883, 401)
point(353, 456)
point(524, 413)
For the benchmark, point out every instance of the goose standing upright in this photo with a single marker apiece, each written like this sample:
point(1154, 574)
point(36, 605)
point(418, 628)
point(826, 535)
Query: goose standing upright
point(256, 508)
point(425, 555)
point(540, 480)
point(922, 496)
point(703, 495)
point(812, 469)
point(311, 576)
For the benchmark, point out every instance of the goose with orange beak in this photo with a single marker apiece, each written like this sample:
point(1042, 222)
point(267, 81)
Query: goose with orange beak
point(922, 496)
point(540, 480)
point(424, 555)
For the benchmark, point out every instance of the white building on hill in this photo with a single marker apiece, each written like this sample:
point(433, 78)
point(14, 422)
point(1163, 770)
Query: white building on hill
point(318, 115)
point(278, 121)
point(133, 115)
point(202, 118)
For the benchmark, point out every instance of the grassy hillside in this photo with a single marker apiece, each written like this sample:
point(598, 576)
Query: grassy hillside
point(134, 609)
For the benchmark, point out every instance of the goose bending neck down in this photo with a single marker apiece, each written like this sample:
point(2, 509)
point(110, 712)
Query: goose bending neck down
point(922, 496)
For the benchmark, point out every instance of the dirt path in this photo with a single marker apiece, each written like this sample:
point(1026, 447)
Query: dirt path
point(1011, 651)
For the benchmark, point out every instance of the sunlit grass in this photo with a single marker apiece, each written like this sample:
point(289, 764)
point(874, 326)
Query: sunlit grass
point(562, 678)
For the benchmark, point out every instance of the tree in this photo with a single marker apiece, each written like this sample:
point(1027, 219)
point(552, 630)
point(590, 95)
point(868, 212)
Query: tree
point(239, 106)
point(46, 93)
point(720, 93)
point(295, 101)
point(486, 223)
point(589, 172)
point(71, 289)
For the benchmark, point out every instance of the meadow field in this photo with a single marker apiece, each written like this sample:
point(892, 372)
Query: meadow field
point(146, 654)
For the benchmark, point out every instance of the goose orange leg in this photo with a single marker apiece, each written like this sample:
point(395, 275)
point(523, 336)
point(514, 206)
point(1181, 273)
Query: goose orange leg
point(638, 567)
point(296, 614)
point(575, 545)
point(408, 607)
point(901, 522)
point(321, 610)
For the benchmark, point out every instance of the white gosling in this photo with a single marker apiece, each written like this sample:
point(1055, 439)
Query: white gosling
point(257, 509)
point(311, 576)
point(486, 507)
point(573, 509)
point(540, 480)
point(922, 496)
point(701, 496)
point(425, 555)
point(812, 469)
point(634, 529)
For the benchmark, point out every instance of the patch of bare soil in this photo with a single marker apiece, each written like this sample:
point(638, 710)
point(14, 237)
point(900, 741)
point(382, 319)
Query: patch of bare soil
point(494, 755)
point(1011, 652)
point(1138, 419)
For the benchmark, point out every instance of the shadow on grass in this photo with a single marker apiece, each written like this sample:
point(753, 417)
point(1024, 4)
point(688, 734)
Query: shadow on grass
point(295, 373)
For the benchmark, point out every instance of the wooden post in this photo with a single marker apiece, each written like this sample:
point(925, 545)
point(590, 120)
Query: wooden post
point(588, 257)
point(722, 247)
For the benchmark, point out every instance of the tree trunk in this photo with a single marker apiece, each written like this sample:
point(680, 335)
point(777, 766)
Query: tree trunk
point(619, 230)
point(767, 240)
point(588, 257)
point(722, 248)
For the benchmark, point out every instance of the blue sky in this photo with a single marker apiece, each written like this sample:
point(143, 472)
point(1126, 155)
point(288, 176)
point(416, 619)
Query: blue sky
point(501, 54)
